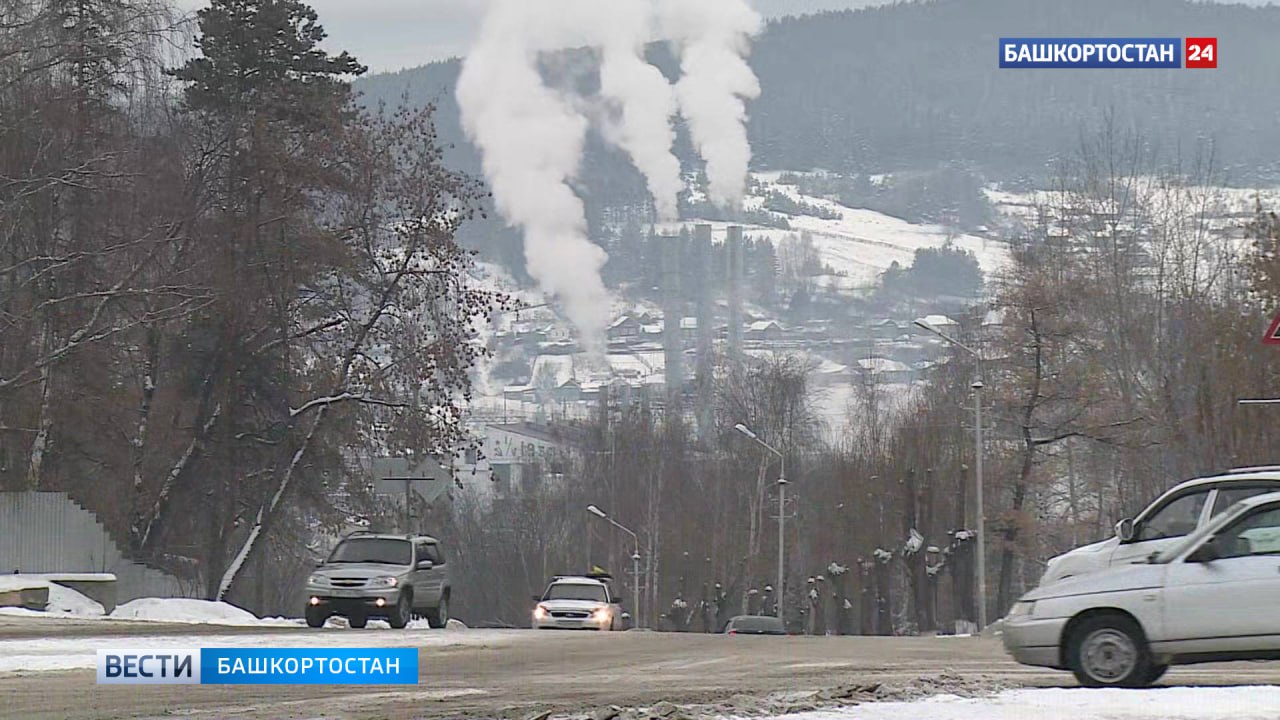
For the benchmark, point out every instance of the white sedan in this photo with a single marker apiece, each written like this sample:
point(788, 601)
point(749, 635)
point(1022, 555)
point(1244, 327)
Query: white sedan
point(1165, 522)
point(1212, 597)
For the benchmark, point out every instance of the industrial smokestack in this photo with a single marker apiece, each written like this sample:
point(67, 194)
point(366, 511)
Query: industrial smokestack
point(672, 314)
point(706, 326)
point(736, 281)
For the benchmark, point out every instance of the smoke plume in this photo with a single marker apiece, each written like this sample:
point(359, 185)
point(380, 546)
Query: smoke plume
point(532, 141)
point(714, 39)
point(532, 136)
point(646, 101)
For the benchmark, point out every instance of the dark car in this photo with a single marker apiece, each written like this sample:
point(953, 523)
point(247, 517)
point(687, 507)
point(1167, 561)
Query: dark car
point(755, 625)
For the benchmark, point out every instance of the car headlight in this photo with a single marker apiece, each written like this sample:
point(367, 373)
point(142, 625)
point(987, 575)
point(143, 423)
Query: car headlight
point(1022, 609)
point(386, 581)
point(540, 612)
point(318, 579)
point(601, 615)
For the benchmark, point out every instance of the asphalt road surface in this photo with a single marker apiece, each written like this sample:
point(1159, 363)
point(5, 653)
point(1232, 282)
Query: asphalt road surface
point(516, 673)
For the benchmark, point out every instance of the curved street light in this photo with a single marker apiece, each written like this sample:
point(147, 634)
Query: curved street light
point(635, 557)
point(977, 432)
point(782, 506)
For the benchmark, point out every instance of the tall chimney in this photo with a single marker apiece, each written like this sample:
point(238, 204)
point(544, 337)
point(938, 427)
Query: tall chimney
point(736, 277)
point(706, 328)
point(672, 314)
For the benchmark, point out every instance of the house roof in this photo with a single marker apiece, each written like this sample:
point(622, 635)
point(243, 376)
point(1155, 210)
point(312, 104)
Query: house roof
point(622, 321)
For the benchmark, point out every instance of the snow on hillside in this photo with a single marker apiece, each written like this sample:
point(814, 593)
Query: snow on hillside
point(860, 245)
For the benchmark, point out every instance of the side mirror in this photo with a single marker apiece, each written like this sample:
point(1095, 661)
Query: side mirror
point(537, 598)
point(1125, 530)
point(1206, 553)
point(425, 564)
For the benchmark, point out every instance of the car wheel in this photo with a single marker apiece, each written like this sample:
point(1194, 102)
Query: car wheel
point(357, 621)
point(399, 617)
point(1156, 672)
point(438, 617)
point(1110, 651)
point(316, 616)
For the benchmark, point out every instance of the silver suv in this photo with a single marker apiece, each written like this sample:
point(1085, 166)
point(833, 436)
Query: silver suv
point(397, 577)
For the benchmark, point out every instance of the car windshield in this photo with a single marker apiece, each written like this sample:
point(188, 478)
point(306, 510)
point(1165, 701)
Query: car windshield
point(1167, 555)
point(387, 551)
point(576, 591)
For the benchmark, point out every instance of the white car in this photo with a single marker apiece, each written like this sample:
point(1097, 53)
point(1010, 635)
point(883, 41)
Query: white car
point(575, 602)
point(1211, 597)
point(1174, 515)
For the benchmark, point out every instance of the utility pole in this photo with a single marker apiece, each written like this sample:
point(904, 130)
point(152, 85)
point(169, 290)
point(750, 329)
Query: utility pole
point(977, 439)
point(981, 529)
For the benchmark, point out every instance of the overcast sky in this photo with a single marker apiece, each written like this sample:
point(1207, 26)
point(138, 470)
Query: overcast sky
point(395, 34)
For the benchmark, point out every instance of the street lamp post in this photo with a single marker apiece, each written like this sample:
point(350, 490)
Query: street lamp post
point(977, 466)
point(782, 507)
point(635, 559)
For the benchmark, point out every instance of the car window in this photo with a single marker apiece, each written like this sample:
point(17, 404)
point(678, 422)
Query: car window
point(388, 551)
point(576, 591)
point(435, 553)
point(1176, 519)
point(1255, 534)
point(1231, 495)
point(421, 548)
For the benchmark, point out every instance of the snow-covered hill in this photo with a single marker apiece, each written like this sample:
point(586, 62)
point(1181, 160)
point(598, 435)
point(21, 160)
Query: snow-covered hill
point(861, 244)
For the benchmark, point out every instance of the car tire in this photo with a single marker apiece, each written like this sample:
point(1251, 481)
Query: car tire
point(357, 622)
point(438, 617)
point(1156, 672)
point(1110, 651)
point(403, 612)
point(315, 616)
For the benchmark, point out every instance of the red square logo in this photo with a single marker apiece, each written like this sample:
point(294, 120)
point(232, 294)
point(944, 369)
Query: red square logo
point(1202, 52)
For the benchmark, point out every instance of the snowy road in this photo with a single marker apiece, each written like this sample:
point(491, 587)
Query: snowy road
point(1170, 703)
point(515, 673)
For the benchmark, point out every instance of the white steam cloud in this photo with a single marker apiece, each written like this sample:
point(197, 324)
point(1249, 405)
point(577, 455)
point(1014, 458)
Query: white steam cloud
point(714, 37)
point(532, 136)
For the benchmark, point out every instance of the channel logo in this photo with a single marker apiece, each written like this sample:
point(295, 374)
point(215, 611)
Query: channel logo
point(259, 666)
point(1089, 53)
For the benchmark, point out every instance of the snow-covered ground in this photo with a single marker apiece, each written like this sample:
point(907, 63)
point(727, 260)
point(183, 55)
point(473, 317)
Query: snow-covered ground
point(1175, 703)
point(192, 611)
point(862, 243)
point(62, 601)
point(26, 656)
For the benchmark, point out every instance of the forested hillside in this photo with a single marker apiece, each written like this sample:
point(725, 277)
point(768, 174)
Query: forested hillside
point(914, 85)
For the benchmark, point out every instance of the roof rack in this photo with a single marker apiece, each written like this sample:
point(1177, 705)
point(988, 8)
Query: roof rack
point(1254, 468)
point(601, 577)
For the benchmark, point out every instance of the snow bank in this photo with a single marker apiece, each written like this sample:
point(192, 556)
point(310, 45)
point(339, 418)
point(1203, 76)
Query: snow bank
point(65, 601)
point(1182, 703)
point(188, 610)
point(62, 600)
